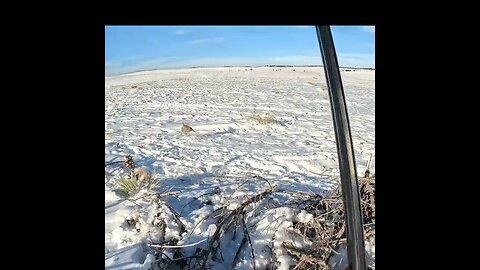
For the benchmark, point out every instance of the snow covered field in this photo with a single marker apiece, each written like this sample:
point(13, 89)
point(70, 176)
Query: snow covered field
point(265, 123)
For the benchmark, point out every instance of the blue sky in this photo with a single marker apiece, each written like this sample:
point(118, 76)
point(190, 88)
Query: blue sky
point(135, 48)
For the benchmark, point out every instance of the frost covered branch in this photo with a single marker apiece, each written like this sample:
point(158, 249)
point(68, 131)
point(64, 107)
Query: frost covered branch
point(182, 246)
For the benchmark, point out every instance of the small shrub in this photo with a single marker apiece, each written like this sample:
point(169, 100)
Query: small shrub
point(262, 119)
point(127, 186)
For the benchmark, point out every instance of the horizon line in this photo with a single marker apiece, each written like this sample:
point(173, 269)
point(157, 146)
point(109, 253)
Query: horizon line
point(226, 66)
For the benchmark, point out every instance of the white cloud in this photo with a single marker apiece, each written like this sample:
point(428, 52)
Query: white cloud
point(174, 62)
point(206, 41)
point(151, 64)
point(250, 61)
point(179, 32)
point(350, 60)
point(135, 57)
point(370, 29)
point(112, 64)
point(356, 60)
point(353, 60)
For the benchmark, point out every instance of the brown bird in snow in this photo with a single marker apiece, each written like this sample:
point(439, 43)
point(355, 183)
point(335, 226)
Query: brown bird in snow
point(186, 129)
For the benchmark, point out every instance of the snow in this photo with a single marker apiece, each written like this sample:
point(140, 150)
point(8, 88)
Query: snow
point(133, 257)
point(304, 217)
point(215, 167)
